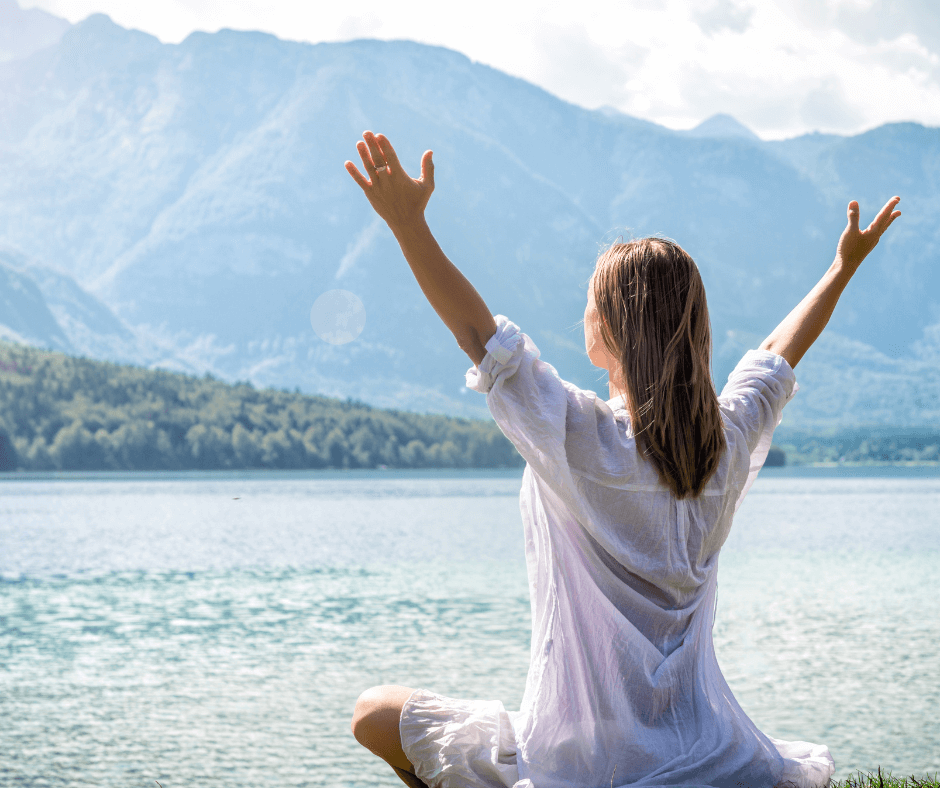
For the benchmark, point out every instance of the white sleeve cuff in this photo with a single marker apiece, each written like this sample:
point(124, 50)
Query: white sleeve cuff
point(500, 350)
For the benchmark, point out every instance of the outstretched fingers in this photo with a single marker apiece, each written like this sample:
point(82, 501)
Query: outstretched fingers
point(885, 216)
point(388, 152)
point(427, 168)
point(366, 160)
point(852, 214)
point(375, 154)
point(395, 196)
point(357, 176)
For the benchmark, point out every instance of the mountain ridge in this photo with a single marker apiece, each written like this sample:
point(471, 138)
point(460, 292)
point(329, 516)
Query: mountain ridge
point(197, 190)
point(24, 31)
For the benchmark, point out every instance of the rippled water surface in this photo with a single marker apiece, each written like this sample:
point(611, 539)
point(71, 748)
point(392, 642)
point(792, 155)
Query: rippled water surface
point(215, 631)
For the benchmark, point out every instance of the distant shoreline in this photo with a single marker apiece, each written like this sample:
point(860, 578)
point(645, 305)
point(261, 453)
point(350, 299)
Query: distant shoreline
point(272, 473)
point(870, 464)
point(815, 470)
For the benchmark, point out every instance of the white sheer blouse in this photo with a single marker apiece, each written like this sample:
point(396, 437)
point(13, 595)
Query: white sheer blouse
point(623, 685)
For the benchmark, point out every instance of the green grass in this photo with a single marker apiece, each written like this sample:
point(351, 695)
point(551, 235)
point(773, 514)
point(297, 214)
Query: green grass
point(881, 780)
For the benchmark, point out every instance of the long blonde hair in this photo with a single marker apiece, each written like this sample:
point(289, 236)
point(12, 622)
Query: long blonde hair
point(654, 320)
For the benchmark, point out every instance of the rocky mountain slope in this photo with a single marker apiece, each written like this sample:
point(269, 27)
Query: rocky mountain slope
point(198, 191)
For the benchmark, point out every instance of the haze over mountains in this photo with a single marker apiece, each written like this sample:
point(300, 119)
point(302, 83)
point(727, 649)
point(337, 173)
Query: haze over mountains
point(184, 206)
point(24, 31)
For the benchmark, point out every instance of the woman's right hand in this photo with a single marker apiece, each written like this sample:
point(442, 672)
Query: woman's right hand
point(395, 196)
point(400, 200)
point(855, 244)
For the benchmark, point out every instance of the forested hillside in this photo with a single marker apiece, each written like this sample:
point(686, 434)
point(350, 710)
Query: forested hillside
point(64, 413)
point(863, 446)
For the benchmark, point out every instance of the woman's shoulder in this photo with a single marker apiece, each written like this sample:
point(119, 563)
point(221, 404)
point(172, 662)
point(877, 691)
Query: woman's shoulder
point(600, 445)
point(618, 405)
point(760, 368)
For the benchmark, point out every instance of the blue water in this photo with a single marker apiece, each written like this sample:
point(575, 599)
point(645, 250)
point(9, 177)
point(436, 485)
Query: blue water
point(215, 630)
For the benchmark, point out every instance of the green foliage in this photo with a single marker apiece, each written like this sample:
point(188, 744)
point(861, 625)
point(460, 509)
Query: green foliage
point(64, 413)
point(880, 780)
point(877, 445)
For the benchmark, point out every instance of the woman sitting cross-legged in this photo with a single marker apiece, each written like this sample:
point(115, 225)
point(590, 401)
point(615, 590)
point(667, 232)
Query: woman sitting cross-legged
point(625, 505)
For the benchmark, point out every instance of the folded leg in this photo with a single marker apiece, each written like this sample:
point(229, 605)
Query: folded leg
point(375, 726)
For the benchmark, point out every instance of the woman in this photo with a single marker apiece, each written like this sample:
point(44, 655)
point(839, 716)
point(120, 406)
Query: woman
point(625, 505)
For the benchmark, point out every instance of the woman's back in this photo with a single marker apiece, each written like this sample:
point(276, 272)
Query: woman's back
point(623, 677)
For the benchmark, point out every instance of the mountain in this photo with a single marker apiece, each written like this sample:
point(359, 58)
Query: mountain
point(24, 314)
point(198, 191)
point(24, 31)
point(723, 126)
point(45, 307)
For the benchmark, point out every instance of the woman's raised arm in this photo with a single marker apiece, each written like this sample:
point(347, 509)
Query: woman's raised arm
point(400, 200)
point(802, 327)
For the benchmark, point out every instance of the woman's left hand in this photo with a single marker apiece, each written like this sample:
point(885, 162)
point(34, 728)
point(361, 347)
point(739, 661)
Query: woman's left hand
point(855, 244)
point(398, 198)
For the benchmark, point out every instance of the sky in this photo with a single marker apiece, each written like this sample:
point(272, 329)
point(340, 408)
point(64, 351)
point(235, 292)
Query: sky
point(781, 67)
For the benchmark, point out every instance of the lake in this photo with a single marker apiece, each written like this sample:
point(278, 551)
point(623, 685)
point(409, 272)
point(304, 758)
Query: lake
point(216, 629)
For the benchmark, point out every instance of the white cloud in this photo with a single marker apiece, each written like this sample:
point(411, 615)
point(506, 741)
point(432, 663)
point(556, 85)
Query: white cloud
point(722, 15)
point(783, 67)
point(579, 70)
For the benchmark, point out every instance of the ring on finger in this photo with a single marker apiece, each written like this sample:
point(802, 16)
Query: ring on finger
point(383, 168)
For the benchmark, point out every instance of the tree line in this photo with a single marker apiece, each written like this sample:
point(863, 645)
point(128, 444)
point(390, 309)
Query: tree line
point(63, 413)
point(864, 446)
